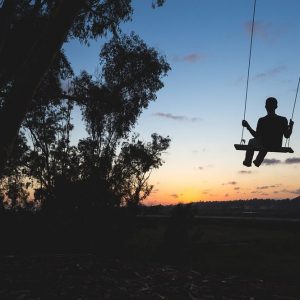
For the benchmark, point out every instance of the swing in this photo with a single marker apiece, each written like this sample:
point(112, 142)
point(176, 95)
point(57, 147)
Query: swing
point(241, 145)
point(279, 150)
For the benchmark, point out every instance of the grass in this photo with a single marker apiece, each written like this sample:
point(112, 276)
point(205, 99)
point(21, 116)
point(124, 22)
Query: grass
point(254, 249)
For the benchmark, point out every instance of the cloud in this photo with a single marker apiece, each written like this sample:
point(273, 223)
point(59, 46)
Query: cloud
point(200, 168)
point(226, 195)
point(245, 172)
point(292, 160)
point(176, 118)
point(296, 191)
point(205, 192)
point(271, 161)
point(195, 119)
point(174, 196)
point(270, 73)
point(170, 116)
point(264, 187)
point(230, 183)
point(236, 188)
point(189, 58)
point(262, 30)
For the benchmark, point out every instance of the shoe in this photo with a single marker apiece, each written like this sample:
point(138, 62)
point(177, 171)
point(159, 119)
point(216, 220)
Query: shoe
point(247, 164)
point(256, 163)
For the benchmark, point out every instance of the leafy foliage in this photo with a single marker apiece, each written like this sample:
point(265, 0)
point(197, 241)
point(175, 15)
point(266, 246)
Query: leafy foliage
point(110, 167)
point(107, 168)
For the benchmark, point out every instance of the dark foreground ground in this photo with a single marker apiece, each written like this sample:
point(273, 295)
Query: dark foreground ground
point(89, 277)
point(222, 259)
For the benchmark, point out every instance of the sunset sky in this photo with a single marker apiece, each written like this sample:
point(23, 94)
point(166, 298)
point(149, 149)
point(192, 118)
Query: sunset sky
point(201, 106)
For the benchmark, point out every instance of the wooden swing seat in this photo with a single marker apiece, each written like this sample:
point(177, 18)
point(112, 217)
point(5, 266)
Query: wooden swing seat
point(280, 150)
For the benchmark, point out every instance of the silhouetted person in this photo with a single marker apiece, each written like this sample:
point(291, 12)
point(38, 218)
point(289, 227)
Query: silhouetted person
point(268, 135)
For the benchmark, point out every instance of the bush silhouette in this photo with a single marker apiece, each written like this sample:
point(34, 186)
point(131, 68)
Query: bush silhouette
point(176, 243)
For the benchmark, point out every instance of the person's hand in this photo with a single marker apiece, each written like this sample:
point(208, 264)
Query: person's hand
point(245, 123)
point(291, 124)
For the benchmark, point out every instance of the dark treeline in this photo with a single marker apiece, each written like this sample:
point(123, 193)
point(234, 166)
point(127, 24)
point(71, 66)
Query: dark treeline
point(289, 208)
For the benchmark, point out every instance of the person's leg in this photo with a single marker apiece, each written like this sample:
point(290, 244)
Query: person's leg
point(260, 158)
point(249, 153)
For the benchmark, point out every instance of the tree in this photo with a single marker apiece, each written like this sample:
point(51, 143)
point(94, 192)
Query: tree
point(98, 169)
point(31, 36)
point(106, 168)
point(133, 168)
point(49, 128)
point(132, 74)
point(14, 183)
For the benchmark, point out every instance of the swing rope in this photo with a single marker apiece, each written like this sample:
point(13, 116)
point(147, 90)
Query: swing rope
point(287, 142)
point(295, 101)
point(248, 72)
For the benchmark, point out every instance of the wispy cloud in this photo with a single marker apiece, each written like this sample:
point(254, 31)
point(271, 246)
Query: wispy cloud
point(262, 187)
point(176, 117)
point(297, 191)
point(204, 167)
point(260, 28)
point(288, 161)
point(292, 160)
point(189, 58)
point(174, 196)
point(271, 161)
point(195, 119)
point(230, 183)
point(245, 172)
point(236, 188)
point(294, 191)
point(263, 30)
point(270, 73)
point(205, 192)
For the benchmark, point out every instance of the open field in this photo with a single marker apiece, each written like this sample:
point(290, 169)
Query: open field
point(221, 259)
point(250, 247)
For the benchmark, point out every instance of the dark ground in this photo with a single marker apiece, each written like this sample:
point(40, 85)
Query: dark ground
point(89, 277)
point(222, 259)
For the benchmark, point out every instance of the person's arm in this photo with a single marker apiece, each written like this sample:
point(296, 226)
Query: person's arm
point(289, 129)
point(251, 130)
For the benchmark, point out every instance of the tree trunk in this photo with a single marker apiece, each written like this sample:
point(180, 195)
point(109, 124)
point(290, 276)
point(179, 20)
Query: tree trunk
point(30, 74)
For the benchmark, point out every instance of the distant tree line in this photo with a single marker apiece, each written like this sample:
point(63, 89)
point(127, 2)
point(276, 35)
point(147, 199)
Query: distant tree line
point(250, 207)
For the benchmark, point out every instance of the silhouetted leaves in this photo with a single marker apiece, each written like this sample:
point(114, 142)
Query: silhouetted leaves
point(106, 169)
point(31, 37)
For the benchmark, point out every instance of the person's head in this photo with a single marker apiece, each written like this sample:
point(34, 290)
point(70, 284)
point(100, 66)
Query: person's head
point(271, 104)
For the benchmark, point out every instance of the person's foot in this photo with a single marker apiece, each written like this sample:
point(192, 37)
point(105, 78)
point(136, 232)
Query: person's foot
point(246, 163)
point(257, 164)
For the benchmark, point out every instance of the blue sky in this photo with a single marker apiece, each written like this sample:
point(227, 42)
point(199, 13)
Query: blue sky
point(201, 106)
